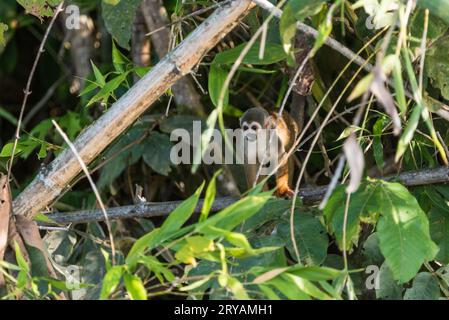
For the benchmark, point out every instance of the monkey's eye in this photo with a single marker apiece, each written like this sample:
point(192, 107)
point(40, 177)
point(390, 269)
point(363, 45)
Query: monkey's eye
point(245, 127)
point(254, 127)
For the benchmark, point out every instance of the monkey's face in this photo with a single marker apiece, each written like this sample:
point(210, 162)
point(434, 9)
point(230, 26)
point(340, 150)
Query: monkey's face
point(251, 130)
point(253, 121)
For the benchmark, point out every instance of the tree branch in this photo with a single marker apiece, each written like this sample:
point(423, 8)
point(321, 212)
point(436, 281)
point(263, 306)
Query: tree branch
point(51, 180)
point(309, 196)
point(334, 44)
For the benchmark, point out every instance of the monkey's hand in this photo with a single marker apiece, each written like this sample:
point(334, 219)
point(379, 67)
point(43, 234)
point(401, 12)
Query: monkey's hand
point(283, 189)
point(285, 192)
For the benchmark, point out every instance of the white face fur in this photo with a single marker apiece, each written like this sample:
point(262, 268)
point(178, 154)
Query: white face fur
point(250, 130)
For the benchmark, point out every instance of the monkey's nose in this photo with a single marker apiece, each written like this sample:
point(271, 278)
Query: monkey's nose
point(251, 135)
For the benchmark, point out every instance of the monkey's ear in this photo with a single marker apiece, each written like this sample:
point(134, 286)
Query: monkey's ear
point(267, 123)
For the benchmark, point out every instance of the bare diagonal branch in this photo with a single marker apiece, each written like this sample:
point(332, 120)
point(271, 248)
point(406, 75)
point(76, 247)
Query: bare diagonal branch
point(52, 180)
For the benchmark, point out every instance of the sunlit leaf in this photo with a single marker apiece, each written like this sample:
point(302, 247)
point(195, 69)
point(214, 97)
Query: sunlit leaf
point(210, 196)
point(111, 281)
point(135, 287)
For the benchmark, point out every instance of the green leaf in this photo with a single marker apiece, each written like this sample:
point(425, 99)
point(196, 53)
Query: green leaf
point(232, 111)
point(314, 273)
point(118, 59)
point(195, 284)
point(423, 112)
point(361, 87)
point(235, 238)
point(275, 257)
point(256, 70)
point(271, 295)
point(134, 287)
point(174, 221)
point(371, 251)
point(159, 269)
point(206, 136)
point(71, 123)
point(139, 247)
point(127, 156)
point(180, 215)
point(403, 228)
point(235, 214)
point(156, 153)
point(437, 65)
point(294, 11)
point(378, 148)
point(362, 208)
point(403, 232)
point(310, 236)
point(3, 29)
point(237, 289)
point(44, 218)
point(290, 291)
point(439, 226)
point(7, 150)
point(119, 18)
point(39, 8)
point(21, 262)
point(388, 289)
point(211, 191)
point(325, 29)
point(89, 88)
point(111, 281)
point(398, 83)
point(108, 89)
point(141, 71)
point(306, 286)
point(408, 133)
point(425, 287)
point(217, 77)
point(195, 246)
point(439, 8)
point(98, 75)
point(38, 262)
point(435, 29)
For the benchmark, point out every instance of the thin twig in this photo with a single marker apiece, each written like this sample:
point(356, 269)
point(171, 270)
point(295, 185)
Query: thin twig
point(334, 44)
point(92, 184)
point(43, 101)
point(190, 15)
point(27, 91)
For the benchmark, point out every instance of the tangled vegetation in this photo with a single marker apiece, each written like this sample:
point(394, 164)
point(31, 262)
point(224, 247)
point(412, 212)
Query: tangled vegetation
point(368, 78)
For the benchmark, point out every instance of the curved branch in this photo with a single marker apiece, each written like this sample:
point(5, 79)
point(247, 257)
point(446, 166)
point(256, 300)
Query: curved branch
point(51, 180)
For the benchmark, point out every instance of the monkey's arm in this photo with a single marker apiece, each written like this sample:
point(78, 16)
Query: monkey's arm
point(287, 130)
point(282, 180)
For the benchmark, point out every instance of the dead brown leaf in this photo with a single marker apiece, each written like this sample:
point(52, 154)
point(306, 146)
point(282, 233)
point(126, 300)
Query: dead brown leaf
point(380, 91)
point(5, 212)
point(356, 162)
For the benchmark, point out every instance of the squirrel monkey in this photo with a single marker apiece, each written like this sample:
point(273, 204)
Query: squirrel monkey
point(285, 130)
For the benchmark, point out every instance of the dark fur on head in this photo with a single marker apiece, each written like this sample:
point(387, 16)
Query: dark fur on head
point(255, 114)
